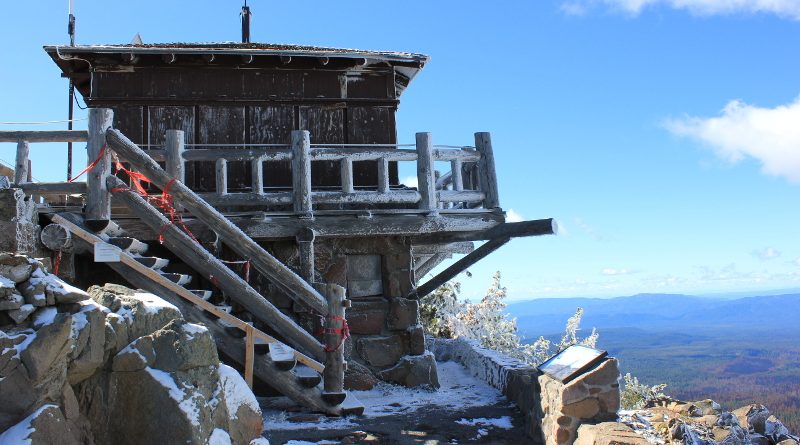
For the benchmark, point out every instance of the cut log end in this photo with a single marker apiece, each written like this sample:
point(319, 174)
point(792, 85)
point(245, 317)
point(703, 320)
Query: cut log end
point(96, 225)
point(334, 398)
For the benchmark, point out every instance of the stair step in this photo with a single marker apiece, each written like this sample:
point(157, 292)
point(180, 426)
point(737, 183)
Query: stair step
point(205, 294)
point(334, 398)
point(177, 278)
point(152, 262)
point(113, 230)
point(307, 376)
point(351, 406)
point(131, 245)
point(282, 356)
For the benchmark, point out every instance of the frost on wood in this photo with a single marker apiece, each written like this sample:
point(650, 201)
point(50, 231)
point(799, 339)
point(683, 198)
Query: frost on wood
point(443, 315)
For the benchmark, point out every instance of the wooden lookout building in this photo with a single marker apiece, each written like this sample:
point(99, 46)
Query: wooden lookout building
point(270, 181)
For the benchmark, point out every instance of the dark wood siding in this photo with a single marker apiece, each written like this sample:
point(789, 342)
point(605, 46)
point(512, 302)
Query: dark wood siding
point(163, 118)
point(371, 125)
point(221, 125)
point(327, 126)
point(273, 124)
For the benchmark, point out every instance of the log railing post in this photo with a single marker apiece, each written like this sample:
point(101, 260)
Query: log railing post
point(346, 170)
point(175, 146)
point(333, 375)
point(383, 175)
point(222, 177)
point(249, 354)
point(425, 175)
point(98, 199)
point(21, 164)
point(301, 172)
point(487, 175)
point(305, 243)
point(257, 173)
point(456, 177)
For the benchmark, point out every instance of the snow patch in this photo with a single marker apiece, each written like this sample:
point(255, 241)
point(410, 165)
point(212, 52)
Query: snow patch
point(6, 283)
point(153, 304)
point(219, 437)
point(194, 329)
point(499, 422)
point(185, 401)
point(236, 391)
point(20, 433)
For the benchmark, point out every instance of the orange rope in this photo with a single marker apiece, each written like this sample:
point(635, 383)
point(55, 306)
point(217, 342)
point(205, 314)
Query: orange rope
point(92, 165)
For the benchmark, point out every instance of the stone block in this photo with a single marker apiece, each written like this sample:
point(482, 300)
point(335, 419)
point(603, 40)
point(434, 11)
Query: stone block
point(609, 401)
point(358, 377)
point(585, 409)
point(608, 433)
point(381, 351)
point(605, 373)
point(416, 340)
point(412, 371)
point(367, 322)
point(403, 313)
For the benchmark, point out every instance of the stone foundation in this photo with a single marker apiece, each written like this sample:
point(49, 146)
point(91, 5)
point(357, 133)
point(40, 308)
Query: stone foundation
point(387, 341)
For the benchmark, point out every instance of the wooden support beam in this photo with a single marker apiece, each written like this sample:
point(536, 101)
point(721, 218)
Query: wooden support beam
point(333, 376)
point(301, 172)
point(383, 175)
point(463, 247)
point(277, 272)
point(249, 355)
point(458, 267)
point(174, 148)
point(346, 170)
point(54, 188)
point(486, 170)
point(536, 227)
point(424, 267)
point(425, 173)
point(455, 172)
point(257, 175)
point(193, 254)
point(305, 244)
point(98, 200)
point(21, 164)
point(222, 177)
point(44, 136)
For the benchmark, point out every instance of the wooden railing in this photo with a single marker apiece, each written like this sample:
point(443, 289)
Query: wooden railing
point(481, 192)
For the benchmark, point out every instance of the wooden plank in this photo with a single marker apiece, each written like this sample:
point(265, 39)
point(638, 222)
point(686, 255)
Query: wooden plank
point(248, 199)
point(301, 172)
point(425, 175)
point(463, 247)
point(249, 353)
point(462, 196)
point(193, 254)
point(486, 170)
point(98, 199)
point(45, 136)
point(365, 153)
point(467, 225)
point(66, 188)
point(458, 267)
point(21, 163)
point(451, 154)
point(366, 197)
point(239, 154)
point(536, 227)
point(235, 238)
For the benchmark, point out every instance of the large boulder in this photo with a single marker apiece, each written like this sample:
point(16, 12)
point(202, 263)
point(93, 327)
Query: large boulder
point(46, 426)
point(413, 370)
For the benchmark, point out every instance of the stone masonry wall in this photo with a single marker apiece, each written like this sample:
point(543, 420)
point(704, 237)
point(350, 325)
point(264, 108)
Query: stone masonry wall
point(387, 342)
point(593, 397)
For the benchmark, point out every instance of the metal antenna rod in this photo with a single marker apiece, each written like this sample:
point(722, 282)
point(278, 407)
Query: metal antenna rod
point(71, 107)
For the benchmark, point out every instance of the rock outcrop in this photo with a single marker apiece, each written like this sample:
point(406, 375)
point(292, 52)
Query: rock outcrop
point(110, 366)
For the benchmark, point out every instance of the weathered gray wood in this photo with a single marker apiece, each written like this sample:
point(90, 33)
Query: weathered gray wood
point(450, 154)
point(44, 136)
point(333, 375)
point(301, 171)
point(280, 275)
point(462, 196)
point(237, 154)
point(66, 188)
point(365, 153)
point(248, 199)
point(346, 167)
point(21, 164)
point(98, 200)
point(455, 173)
point(366, 197)
point(424, 267)
point(463, 247)
point(174, 148)
point(257, 175)
point(458, 267)
point(217, 272)
point(287, 227)
point(305, 243)
point(222, 177)
point(383, 175)
point(486, 170)
point(56, 237)
point(536, 227)
point(425, 173)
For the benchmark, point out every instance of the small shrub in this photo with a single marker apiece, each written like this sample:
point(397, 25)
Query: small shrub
point(636, 395)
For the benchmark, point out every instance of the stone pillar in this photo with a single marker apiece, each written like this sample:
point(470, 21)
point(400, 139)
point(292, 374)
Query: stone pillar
point(593, 397)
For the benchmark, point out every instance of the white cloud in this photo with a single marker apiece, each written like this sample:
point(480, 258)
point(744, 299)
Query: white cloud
point(767, 253)
point(741, 131)
point(512, 216)
point(410, 181)
point(782, 8)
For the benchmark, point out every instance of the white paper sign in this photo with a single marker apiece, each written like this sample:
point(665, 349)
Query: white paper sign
point(106, 253)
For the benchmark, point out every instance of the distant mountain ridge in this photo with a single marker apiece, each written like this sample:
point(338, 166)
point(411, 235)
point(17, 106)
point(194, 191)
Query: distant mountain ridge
point(674, 312)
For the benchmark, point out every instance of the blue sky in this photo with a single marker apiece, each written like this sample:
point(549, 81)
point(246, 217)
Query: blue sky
point(663, 135)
